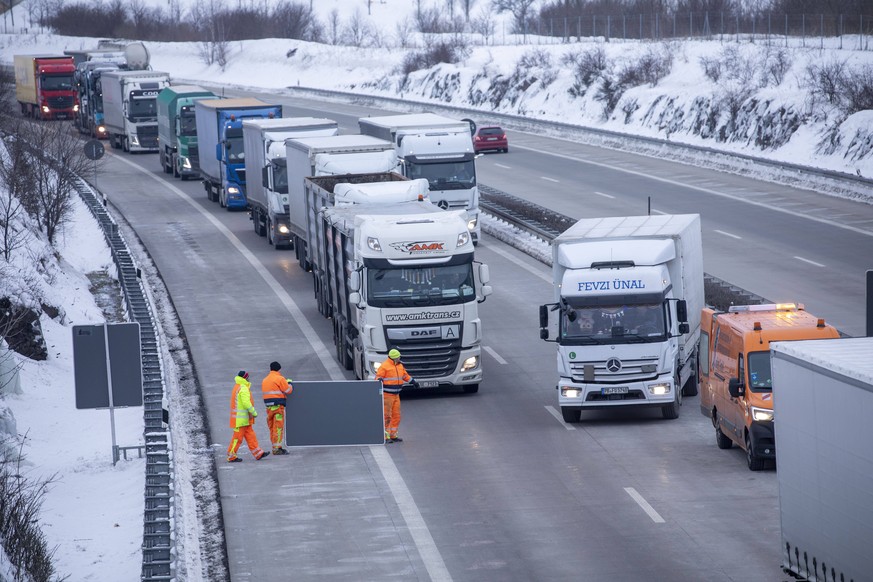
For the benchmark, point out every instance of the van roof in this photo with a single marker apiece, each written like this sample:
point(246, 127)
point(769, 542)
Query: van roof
point(783, 322)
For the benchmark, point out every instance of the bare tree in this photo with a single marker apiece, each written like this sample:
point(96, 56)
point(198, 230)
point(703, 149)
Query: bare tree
point(485, 25)
point(521, 11)
point(14, 169)
point(334, 29)
point(210, 16)
point(356, 31)
point(467, 5)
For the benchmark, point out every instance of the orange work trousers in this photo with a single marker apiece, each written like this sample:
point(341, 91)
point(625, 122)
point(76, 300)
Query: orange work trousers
point(391, 408)
point(276, 424)
point(246, 433)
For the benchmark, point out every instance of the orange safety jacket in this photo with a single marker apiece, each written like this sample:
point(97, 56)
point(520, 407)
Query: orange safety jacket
point(393, 376)
point(241, 410)
point(276, 389)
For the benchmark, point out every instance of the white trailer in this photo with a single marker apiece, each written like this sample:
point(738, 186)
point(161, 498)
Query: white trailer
point(395, 271)
point(130, 108)
point(267, 174)
point(328, 156)
point(438, 149)
point(628, 294)
point(823, 399)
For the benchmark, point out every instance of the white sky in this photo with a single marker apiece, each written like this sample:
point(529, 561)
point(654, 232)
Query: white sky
point(93, 511)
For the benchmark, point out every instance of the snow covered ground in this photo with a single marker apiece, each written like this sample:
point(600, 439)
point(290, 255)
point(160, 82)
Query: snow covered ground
point(93, 511)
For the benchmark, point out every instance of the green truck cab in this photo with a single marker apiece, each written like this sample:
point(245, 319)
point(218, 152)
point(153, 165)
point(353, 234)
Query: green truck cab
point(177, 130)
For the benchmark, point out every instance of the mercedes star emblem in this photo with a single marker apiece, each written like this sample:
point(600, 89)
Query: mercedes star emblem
point(613, 365)
point(443, 204)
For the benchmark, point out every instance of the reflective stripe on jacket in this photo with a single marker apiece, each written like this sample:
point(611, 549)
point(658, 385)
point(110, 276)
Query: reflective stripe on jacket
point(393, 376)
point(276, 389)
point(241, 409)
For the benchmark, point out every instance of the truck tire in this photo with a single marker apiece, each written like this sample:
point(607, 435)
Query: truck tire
point(164, 166)
point(471, 388)
point(571, 415)
point(755, 462)
point(690, 386)
point(174, 166)
point(125, 144)
point(671, 411)
point(721, 439)
point(270, 240)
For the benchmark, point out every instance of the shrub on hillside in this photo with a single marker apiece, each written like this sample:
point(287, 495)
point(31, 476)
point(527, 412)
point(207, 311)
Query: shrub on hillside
point(588, 66)
point(442, 51)
point(651, 67)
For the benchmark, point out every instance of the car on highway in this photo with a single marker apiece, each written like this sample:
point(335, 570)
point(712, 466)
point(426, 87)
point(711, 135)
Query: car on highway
point(490, 137)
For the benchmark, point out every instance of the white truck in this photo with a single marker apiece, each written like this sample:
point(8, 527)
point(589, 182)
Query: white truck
point(628, 296)
point(393, 270)
point(438, 149)
point(130, 108)
point(328, 156)
point(267, 171)
point(823, 397)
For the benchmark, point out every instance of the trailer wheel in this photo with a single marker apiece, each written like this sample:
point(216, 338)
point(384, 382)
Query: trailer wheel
point(755, 462)
point(571, 415)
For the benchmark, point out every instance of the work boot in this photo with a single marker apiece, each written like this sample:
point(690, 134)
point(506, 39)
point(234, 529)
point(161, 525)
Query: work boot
point(266, 454)
point(235, 460)
point(280, 451)
point(396, 439)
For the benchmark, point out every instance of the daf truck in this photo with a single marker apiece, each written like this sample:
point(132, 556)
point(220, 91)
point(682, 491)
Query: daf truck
point(823, 392)
point(177, 130)
point(130, 108)
point(44, 86)
point(628, 298)
point(395, 271)
point(266, 165)
point(737, 390)
point(220, 141)
point(328, 156)
point(438, 149)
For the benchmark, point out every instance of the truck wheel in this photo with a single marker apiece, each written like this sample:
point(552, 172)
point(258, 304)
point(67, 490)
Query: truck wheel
point(690, 387)
point(471, 388)
point(671, 411)
point(164, 165)
point(174, 165)
point(721, 439)
point(125, 144)
point(571, 415)
point(222, 201)
point(270, 240)
point(755, 462)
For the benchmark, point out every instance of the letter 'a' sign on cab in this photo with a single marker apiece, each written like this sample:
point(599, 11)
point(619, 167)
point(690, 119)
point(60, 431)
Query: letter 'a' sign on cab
point(736, 388)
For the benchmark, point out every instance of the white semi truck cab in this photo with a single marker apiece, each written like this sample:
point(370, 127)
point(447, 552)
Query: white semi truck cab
point(130, 108)
point(438, 149)
point(628, 296)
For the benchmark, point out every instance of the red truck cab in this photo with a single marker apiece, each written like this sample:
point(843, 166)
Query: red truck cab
point(44, 86)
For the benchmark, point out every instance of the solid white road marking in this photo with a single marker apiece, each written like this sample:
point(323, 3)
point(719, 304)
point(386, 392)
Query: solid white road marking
point(810, 262)
point(767, 205)
point(503, 166)
point(558, 416)
point(549, 179)
point(494, 354)
point(430, 554)
point(604, 195)
point(525, 266)
point(728, 234)
point(644, 504)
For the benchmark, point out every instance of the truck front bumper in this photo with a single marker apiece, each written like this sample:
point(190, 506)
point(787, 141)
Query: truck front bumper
point(467, 372)
point(763, 440)
point(655, 392)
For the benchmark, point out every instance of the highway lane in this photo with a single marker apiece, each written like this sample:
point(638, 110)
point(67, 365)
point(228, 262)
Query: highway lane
point(503, 489)
point(783, 243)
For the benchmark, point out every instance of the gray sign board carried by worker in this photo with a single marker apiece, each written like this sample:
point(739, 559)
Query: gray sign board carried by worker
point(347, 412)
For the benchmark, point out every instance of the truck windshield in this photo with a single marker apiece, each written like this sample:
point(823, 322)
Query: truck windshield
point(142, 108)
point(445, 175)
point(233, 143)
point(280, 178)
point(187, 124)
point(399, 287)
point(614, 323)
point(760, 378)
point(56, 82)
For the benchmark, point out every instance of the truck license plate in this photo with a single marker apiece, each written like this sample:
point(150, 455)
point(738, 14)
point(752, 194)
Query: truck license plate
point(614, 390)
point(428, 384)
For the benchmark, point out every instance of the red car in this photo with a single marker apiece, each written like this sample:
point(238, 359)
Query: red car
point(490, 137)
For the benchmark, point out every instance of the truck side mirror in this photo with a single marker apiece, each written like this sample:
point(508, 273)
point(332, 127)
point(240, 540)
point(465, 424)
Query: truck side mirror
point(355, 299)
point(736, 388)
point(544, 333)
point(484, 274)
point(265, 177)
point(682, 312)
point(544, 319)
point(355, 281)
point(684, 328)
point(486, 291)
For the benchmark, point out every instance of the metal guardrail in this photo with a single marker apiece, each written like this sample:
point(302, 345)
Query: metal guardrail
point(158, 553)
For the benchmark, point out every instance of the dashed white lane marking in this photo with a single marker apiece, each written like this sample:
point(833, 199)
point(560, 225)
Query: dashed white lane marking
point(494, 354)
point(424, 543)
point(728, 234)
point(503, 166)
point(813, 263)
point(546, 178)
point(557, 415)
point(604, 195)
point(644, 504)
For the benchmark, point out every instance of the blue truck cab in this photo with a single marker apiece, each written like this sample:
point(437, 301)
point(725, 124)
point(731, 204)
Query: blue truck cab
point(222, 155)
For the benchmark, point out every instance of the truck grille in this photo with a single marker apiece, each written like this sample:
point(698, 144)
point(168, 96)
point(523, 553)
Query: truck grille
point(194, 157)
point(429, 359)
point(148, 136)
point(60, 102)
point(631, 370)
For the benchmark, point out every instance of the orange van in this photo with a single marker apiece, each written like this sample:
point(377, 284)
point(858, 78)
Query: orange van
point(736, 390)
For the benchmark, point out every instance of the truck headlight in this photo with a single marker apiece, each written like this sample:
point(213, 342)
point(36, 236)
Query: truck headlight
point(375, 366)
point(762, 414)
point(232, 191)
point(45, 109)
point(373, 244)
point(659, 389)
point(76, 108)
point(470, 363)
point(463, 238)
point(101, 129)
point(472, 222)
point(568, 392)
point(186, 163)
point(283, 228)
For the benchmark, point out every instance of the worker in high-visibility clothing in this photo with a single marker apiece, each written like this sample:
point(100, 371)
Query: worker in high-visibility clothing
point(393, 376)
point(276, 389)
point(242, 420)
